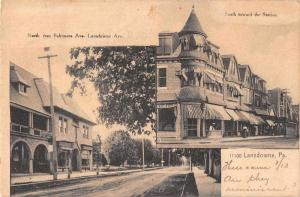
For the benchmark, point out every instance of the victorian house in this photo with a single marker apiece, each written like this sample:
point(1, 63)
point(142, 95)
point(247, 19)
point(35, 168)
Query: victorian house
point(203, 94)
point(31, 137)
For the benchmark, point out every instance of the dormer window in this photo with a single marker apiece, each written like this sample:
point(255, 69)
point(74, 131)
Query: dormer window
point(22, 88)
point(18, 81)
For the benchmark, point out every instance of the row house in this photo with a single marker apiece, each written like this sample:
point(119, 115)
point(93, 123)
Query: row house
point(31, 137)
point(203, 94)
point(287, 113)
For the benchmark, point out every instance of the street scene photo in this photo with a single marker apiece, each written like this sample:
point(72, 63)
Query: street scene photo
point(97, 138)
point(209, 99)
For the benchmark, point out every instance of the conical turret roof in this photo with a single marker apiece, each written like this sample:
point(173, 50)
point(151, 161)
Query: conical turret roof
point(192, 25)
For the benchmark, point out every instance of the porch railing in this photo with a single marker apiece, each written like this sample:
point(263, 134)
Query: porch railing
point(26, 129)
point(19, 128)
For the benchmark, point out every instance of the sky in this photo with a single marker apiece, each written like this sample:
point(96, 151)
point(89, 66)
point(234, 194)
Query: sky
point(270, 45)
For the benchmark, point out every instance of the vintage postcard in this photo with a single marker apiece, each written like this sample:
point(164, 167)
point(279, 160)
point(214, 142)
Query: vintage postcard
point(150, 98)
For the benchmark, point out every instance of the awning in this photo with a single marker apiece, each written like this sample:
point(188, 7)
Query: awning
point(243, 117)
point(216, 112)
point(270, 122)
point(65, 146)
point(166, 105)
point(86, 147)
point(207, 78)
point(253, 119)
point(192, 110)
point(261, 112)
point(259, 120)
point(234, 115)
point(210, 78)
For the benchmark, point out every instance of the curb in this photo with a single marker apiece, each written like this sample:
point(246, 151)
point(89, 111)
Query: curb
point(23, 187)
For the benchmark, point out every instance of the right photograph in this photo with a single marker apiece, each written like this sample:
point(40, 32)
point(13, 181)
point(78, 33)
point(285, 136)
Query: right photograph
point(208, 98)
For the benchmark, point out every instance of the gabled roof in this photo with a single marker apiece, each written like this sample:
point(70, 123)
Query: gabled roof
point(32, 98)
point(192, 25)
point(15, 77)
point(226, 60)
point(37, 97)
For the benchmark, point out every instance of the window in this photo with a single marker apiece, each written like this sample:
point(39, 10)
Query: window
point(192, 127)
point(22, 88)
point(162, 77)
point(165, 44)
point(19, 120)
point(166, 119)
point(85, 131)
point(60, 124)
point(185, 44)
point(65, 125)
point(40, 122)
point(257, 101)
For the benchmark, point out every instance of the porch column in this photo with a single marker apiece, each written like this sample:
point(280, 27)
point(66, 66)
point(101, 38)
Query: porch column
point(237, 128)
point(179, 121)
point(203, 127)
point(205, 162)
point(199, 127)
point(30, 166)
point(79, 161)
point(31, 132)
point(91, 160)
point(210, 162)
point(222, 128)
point(50, 162)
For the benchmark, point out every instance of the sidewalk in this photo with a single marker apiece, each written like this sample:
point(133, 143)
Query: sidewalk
point(16, 180)
point(206, 185)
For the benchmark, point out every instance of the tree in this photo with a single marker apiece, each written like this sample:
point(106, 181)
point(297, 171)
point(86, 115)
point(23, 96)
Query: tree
point(124, 78)
point(119, 147)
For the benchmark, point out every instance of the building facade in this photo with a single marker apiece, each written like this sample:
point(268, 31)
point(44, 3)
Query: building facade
point(204, 94)
point(286, 112)
point(31, 137)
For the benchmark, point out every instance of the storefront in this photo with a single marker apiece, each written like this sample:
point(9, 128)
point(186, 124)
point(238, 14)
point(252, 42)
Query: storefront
point(86, 157)
point(64, 155)
point(215, 116)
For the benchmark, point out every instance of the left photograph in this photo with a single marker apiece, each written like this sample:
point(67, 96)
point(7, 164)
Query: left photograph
point(83, 113)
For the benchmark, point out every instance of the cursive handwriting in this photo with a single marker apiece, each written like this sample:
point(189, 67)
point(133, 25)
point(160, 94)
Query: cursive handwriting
point(258, 178)
point(229, 166)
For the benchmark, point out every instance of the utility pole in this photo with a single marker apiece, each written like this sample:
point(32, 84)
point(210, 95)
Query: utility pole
point(54, 156)
point(143, 150)
point(98, 152)
point(162, 157)
point(191, 167)
point(169, 160)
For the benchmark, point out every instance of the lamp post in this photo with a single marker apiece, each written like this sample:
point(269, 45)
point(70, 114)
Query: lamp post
point(54, 156)
point(143, 150)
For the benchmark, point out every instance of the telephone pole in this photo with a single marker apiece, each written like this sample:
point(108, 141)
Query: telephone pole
point(143, 150)
point(98, 153)
point(54, 156)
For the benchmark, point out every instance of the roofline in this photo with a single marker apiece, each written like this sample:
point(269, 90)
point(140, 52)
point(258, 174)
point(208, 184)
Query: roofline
point(166, 33)
point(213, 44)
point(86, 120)
point(22, 106)
point(230, 56)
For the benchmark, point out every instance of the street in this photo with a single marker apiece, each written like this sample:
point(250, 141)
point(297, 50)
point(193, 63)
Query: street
point(134, 184)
